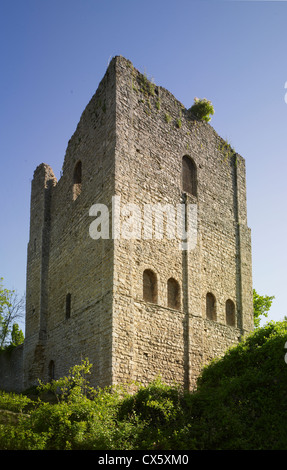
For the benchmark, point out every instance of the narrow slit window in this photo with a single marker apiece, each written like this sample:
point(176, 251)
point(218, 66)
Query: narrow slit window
point(210, 307)
point(189, 177)
point(51, 371)
point(173, 294)
point(230, 312)
point(149, 286)
point(77, 180)
point(68, 306)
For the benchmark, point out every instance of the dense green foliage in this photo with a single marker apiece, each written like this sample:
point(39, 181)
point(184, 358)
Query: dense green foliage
point(261, 306)
point(240, 403)
point(202, 109)
point(241, 400)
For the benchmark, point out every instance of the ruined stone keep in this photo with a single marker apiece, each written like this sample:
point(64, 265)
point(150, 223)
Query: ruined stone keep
point(136, 307)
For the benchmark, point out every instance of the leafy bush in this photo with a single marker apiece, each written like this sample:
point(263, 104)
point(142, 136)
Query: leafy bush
point(201, 109)
point(14, 402)
point(20, 437)
point(240, 403)
point(241, 400)
point(71, 388)
point(158, 408)
point(157, 403)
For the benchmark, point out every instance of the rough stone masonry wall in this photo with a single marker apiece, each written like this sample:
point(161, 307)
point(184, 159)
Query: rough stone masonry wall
point(154, 132)
point(75, 264)
point(11, 370)
point(37, 273)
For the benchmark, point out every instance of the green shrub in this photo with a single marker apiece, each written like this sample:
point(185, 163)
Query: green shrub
point(15, 402)
point(72, 387)
point(158, 409)
point(63, 424)
point(201, 109)
point(21, 437)
point(240, 404)
point(241, 400)
point(157, 403)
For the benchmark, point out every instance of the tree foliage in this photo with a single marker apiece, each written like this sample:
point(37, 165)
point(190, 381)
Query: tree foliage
point(12, 307)
point(261, 307)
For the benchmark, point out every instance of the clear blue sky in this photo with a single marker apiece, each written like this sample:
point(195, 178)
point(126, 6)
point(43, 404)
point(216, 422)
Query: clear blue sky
point(55, 52)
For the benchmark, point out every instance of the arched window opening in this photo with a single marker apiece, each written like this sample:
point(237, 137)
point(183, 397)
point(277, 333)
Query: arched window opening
point(149, 286)
point(173, 294)
point(230, 312)
point(77, 180)
point(210, 307)
point(51, 371)
point(189, 178)
point(68, 306)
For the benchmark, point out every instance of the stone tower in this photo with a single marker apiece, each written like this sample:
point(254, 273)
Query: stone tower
point(107, 277)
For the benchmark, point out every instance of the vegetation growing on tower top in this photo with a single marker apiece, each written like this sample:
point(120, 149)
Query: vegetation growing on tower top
point(202, 109)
